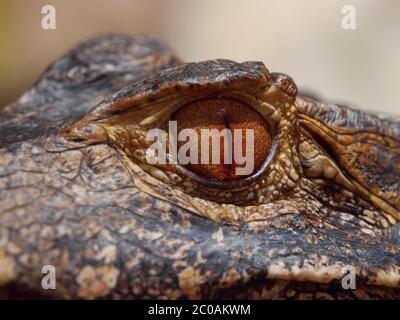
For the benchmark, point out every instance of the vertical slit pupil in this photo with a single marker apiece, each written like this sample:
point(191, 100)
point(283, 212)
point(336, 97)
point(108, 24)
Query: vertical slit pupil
point(229, 114)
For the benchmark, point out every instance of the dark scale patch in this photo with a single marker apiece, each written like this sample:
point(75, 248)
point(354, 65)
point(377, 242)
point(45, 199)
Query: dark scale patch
point(393, 234)
point(74, 246)
point(51, 216)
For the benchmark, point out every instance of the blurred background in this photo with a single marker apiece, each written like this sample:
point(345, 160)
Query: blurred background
point(302, 38)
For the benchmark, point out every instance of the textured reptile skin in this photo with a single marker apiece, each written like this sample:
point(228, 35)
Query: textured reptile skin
point(78, 200)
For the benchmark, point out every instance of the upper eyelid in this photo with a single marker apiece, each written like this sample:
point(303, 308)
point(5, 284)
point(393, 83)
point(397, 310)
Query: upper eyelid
point(187, 79)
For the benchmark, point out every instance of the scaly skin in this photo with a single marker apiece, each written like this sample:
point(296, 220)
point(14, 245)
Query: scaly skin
point(77, 193)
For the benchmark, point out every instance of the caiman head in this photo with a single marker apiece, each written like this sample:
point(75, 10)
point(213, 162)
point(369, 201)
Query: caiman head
point(317, 217)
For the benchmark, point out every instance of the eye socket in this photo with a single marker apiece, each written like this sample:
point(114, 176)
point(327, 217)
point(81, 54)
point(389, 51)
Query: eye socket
point(240, 153)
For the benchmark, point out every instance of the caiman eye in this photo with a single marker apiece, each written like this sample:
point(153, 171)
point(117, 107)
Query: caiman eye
point(216, 122)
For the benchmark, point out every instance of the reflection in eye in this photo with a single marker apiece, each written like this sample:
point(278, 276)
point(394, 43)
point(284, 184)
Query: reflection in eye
point(231, 125)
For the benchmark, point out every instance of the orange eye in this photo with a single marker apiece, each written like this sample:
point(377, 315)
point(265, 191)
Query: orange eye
point(220, 114)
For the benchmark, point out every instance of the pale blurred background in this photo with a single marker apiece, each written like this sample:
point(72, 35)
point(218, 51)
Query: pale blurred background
point(302, 38)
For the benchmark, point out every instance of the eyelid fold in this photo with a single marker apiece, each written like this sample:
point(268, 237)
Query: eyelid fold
point(209, 76)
